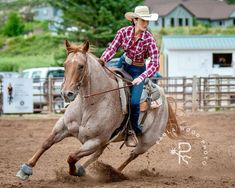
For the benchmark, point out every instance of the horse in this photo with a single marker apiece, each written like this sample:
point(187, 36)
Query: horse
point(93, 120)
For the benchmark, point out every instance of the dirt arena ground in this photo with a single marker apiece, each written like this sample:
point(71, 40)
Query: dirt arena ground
point(212, 162)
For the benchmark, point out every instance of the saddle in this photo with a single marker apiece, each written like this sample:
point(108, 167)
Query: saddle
point(150, 99)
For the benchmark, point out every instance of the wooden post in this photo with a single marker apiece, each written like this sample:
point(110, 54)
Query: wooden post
point(206, 89)
point(194, 94)
point(184, 93)
point(228, 89)
point(50, 94)
point(1, 98)
point(200, 92)
point(217, 91)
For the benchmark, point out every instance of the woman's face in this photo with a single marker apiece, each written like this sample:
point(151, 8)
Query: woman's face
point(141, 24)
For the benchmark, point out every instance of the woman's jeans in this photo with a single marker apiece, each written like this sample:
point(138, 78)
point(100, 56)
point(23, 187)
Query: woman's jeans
point(136, 91)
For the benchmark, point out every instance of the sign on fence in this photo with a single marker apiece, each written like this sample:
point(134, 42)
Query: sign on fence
point(17, 95)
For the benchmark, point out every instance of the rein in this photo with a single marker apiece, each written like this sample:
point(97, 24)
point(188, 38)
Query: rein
point(109, 90)
point(129, 83)
point(117, 75)
point(106, 91)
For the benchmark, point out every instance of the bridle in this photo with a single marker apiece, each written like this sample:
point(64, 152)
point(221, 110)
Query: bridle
point(84, 72)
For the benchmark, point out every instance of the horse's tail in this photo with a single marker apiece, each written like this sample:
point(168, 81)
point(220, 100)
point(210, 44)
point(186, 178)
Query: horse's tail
point(172, 128)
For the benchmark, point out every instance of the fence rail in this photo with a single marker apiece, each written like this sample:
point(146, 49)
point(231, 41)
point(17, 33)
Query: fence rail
point(192, 94)
point(201, 93)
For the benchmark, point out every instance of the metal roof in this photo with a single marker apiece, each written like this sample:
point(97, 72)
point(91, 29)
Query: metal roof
point(201, 42)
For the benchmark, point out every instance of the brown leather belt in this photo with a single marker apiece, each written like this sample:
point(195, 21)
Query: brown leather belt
point(138, 63)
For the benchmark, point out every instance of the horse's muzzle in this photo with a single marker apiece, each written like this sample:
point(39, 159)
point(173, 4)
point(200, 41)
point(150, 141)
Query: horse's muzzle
point(68, 95)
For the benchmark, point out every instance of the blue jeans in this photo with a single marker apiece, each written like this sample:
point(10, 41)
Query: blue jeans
point(136, 92)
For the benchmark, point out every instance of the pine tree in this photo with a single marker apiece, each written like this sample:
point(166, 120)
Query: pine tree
point(230, 1)
point(96, 20)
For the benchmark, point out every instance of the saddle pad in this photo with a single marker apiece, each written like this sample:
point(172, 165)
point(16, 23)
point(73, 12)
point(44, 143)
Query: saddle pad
point(123, 97)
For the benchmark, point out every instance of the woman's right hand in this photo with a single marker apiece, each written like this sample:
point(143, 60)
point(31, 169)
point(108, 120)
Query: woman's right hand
point(137, 81)
point(101, 61)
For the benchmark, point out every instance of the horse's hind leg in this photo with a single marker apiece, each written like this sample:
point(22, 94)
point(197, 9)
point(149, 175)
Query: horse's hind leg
point(58, 133)
point(140, 149)
point(129, 159)
point(94, 157)
point(88, 148)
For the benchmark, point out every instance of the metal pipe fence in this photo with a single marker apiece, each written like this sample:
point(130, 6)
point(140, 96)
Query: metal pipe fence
point(192, 94)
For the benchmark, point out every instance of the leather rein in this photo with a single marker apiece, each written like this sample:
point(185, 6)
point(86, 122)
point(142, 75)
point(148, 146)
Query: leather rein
point(109, 90)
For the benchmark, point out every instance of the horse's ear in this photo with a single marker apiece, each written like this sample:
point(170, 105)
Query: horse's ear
point(67, 44)
point(85, 46)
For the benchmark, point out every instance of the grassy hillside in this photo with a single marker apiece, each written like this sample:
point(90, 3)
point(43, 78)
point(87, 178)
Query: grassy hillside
point(18, 53)
point(31, 45)
point(197, 30)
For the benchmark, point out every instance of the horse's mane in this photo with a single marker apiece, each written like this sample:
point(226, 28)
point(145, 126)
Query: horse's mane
point(74, 48)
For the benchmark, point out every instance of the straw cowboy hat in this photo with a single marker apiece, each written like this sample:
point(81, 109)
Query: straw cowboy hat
point(141, 12)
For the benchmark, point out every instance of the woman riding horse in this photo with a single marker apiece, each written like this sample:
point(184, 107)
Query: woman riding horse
point(93, 120)
point(138, 44)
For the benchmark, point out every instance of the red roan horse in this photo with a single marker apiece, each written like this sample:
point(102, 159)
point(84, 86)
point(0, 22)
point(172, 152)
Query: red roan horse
point(93, 120)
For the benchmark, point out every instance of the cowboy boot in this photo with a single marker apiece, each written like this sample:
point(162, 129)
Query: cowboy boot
point(131, 140)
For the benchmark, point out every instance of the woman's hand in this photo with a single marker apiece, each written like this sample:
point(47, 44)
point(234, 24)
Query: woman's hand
point(137, 81)
point(101, 61)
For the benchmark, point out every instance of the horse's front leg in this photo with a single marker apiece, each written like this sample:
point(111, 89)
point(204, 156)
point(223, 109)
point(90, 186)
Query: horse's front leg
point(58, 133)
point(89, 147)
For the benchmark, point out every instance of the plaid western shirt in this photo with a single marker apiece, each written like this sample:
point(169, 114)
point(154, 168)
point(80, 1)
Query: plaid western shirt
point(138, 50)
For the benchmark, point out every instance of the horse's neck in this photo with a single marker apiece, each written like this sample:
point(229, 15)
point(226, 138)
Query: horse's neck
point(97, 79)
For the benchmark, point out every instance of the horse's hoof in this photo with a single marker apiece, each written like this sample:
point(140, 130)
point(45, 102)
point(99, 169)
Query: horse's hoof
point(24, 172)
point(80, 170)
point(20, 174)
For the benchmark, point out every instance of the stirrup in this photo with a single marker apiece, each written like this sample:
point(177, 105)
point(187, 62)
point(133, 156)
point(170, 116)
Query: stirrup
point(131, 140)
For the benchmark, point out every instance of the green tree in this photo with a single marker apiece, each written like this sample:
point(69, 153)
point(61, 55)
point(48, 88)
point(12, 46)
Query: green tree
point(230, 1)
point(96, 20)
point(14, 26)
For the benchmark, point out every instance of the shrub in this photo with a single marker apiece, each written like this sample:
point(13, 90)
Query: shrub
point(14, 26)
point(9, 66)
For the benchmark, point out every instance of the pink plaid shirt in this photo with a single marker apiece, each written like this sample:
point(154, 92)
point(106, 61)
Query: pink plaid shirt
point(144, 47)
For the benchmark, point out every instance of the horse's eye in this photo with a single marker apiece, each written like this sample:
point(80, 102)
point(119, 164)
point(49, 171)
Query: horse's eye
point(80, 67)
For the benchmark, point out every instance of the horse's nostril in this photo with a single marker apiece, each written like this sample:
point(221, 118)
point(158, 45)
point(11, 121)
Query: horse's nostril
point(70, 94)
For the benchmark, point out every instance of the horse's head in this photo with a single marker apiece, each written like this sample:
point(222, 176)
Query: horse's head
point(75, 70)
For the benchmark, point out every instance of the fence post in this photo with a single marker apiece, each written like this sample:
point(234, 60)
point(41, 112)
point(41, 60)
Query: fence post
point(50, 94)
point(1, 98)
point(206, 90)
point(184, 93)
point(218, 93)
point(194, 94)
point(199, 92)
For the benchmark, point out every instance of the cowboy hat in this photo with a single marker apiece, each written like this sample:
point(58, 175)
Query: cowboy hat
point(141, 12)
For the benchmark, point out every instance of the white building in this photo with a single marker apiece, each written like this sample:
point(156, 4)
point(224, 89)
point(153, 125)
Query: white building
point(199, 55)
point(50, 14)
